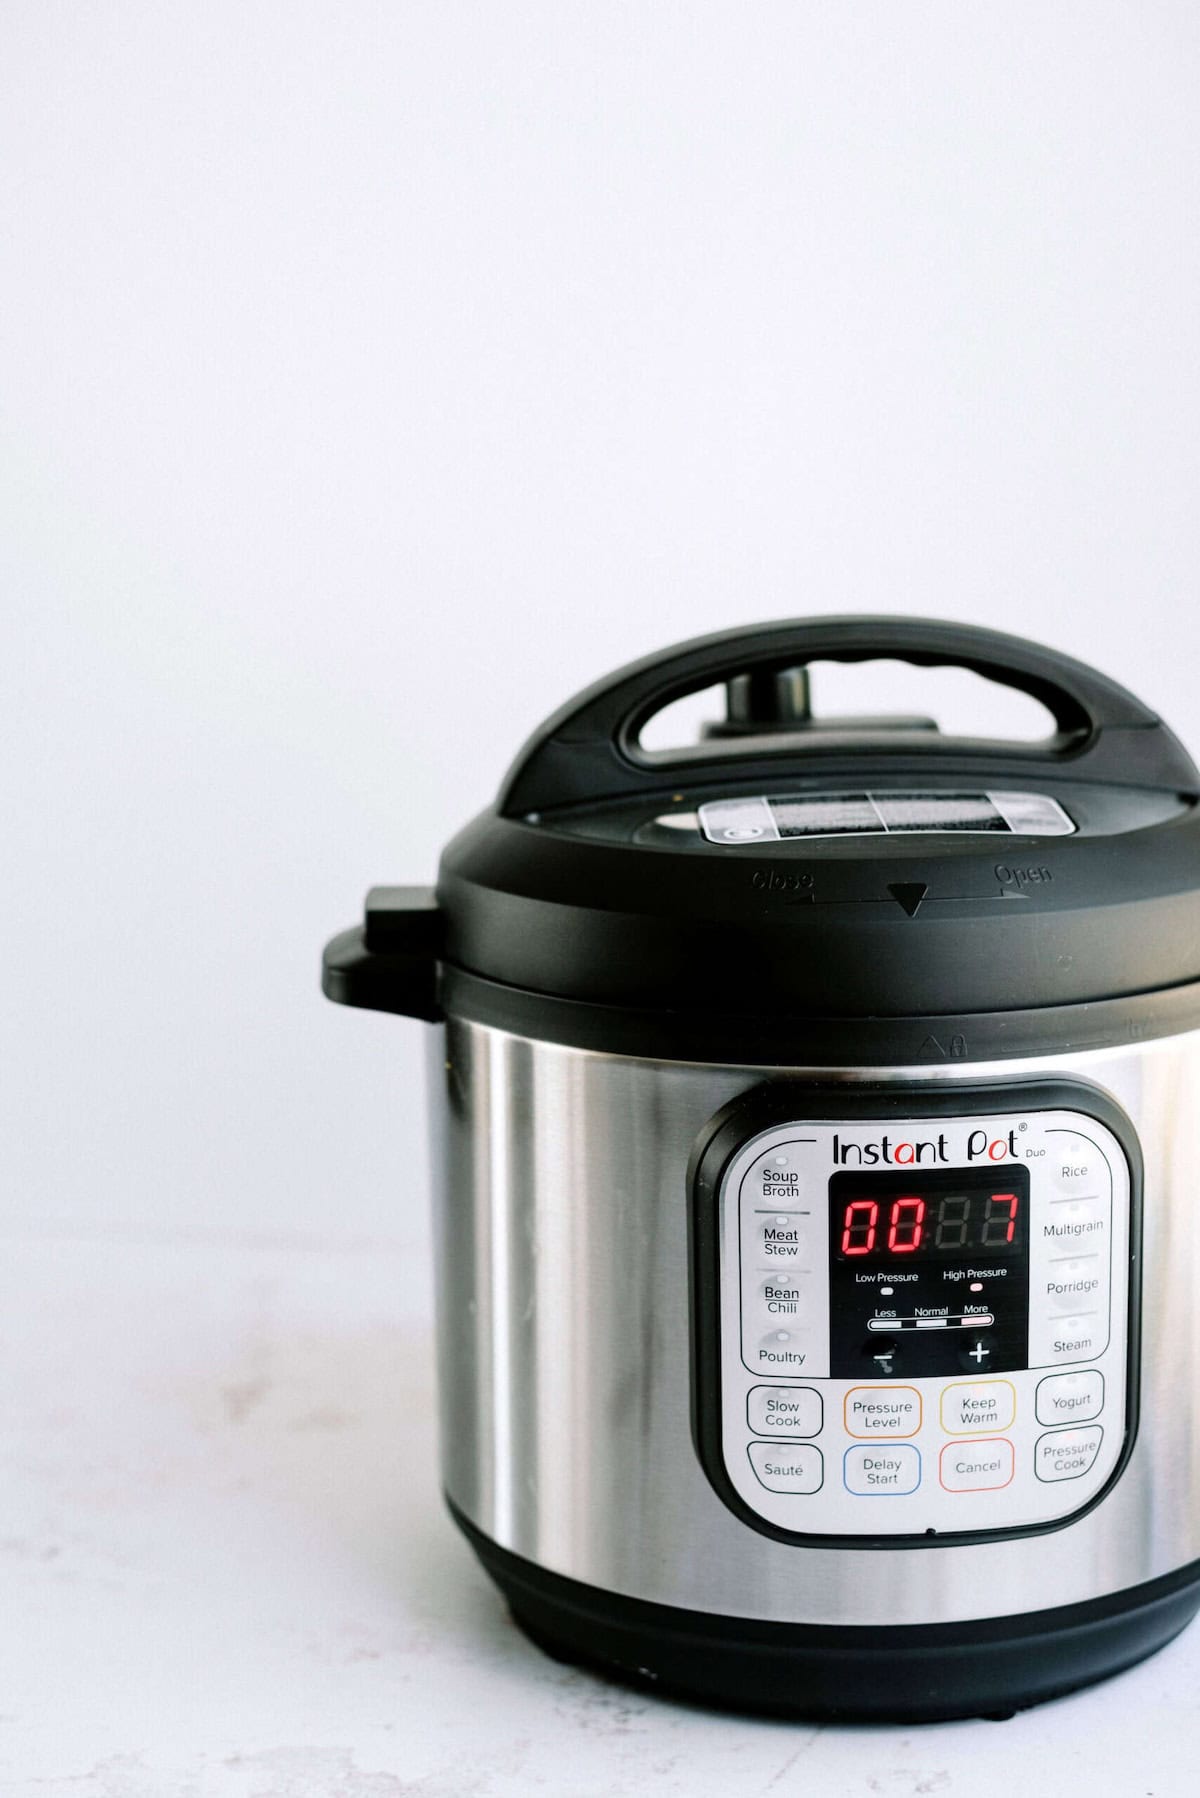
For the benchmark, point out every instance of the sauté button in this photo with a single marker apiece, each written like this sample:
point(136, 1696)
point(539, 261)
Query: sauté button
point(885, 1470)
point(882, 1411)
point(978, 1407)
point(784, 1411)
point(788, 1466)
point(1067, 1454)
point(1070, 1397)
point(976, 1466)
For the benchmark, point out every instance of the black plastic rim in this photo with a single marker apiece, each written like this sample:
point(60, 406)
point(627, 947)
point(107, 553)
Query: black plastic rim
point(914, 1673)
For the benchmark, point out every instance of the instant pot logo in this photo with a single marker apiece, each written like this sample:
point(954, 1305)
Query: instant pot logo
point(923, 1151)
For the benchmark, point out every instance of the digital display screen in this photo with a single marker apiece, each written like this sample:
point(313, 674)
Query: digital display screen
point(928, 1271)
point(920, 1224)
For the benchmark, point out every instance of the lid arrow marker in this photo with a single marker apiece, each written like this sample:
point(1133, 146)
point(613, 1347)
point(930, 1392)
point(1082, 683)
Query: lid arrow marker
point(909, 894)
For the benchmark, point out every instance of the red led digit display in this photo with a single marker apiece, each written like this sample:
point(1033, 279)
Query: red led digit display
point(858, 1227)
point(950, 1224)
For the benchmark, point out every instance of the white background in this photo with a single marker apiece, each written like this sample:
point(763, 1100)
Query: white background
point(371, 377)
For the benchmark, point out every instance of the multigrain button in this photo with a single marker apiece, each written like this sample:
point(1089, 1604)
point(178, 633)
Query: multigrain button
point(788, 1466)
point(784, 1411)
point(1067, 1454)
point(1075, 1224)
point(883, 1471)
point(976, 1466)
point(1070, 1397)
point(978, 1407)
point(881, 1411)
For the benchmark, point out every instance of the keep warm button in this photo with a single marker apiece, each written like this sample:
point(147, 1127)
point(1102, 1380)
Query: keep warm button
point(978, 1407)
point(1067, 1454)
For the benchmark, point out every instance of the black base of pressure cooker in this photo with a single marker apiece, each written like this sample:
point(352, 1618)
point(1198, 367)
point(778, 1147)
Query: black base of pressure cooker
point(910, 1674)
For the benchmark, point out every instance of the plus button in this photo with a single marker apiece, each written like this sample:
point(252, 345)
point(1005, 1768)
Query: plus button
point(979, 1354)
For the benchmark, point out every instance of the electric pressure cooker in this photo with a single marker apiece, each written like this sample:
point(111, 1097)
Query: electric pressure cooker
point(817, 1120)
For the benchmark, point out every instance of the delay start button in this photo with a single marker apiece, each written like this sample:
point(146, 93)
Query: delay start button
point(879, 1470)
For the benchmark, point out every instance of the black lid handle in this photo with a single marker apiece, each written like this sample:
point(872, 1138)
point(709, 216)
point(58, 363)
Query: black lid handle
point(590, 748)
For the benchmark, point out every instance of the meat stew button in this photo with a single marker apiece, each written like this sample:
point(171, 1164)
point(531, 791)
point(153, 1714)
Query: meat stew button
point(1067, 1454)
point(881, 1470)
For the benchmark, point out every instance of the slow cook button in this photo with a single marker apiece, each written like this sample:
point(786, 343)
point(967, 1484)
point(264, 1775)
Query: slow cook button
point(1077, 1283)
point(1067, 1454)
point(976, 1466)
point(1070, 1397)
point(882, 1472)
point(978, 1407)
point(881, 1411)
point(787, 1466)
point(784, 1411)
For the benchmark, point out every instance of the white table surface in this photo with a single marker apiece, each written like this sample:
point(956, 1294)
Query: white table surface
point(226, 1570)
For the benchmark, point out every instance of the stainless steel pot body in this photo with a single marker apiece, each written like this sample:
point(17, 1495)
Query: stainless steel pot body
point(561, 1211)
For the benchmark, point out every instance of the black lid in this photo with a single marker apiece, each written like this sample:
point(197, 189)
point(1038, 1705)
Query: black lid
point(868, 869)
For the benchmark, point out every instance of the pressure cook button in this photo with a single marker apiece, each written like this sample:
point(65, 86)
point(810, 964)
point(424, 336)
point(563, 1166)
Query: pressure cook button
point(1070, 1397)
point(1067, 1454)
point(784, 1411)
point(1076, 1283)
point(1078, 1165)
point(881, 1411)
point(788, 1466)
point(976, 1466)
point(884, 1471)
point(978, 1407)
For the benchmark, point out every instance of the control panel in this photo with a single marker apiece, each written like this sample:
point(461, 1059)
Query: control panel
point(922, 1323)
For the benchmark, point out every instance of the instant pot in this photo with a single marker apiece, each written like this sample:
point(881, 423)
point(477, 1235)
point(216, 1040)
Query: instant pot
point(817, 1121)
